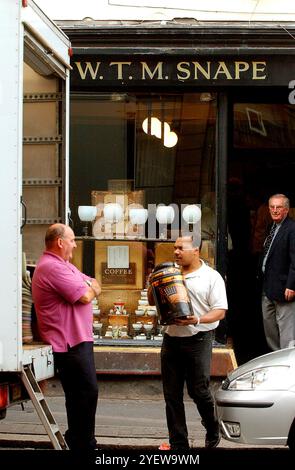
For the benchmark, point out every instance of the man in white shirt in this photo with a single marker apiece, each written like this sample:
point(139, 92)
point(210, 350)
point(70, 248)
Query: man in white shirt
point(187, 346)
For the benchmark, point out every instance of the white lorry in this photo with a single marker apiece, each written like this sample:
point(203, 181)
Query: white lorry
point(34, 95)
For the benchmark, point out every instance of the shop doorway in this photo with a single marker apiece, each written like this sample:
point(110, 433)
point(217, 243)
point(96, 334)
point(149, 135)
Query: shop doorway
point(261, 163)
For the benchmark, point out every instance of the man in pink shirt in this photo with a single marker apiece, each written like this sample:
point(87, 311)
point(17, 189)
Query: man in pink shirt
point(62, 296)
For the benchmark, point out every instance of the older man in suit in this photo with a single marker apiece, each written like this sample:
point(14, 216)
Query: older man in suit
point(278, 267)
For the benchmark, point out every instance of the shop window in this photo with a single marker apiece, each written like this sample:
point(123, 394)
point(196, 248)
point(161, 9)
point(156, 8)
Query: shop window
point(140, 160)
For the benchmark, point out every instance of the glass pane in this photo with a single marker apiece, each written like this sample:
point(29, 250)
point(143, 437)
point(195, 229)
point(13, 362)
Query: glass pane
point(137, 157)
point(268, 126)
point(154, 148)
point(262, 162)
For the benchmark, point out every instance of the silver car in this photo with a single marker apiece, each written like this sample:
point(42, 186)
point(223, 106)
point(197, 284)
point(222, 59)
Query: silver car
point(256, 402)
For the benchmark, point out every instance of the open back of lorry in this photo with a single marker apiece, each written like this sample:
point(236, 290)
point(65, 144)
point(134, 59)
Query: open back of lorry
point(34, 90)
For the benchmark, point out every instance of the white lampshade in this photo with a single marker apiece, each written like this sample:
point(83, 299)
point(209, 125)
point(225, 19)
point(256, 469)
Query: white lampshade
point(113, 212)
point(138, 216)
point(170, 139)
point(191, 214)
point(165, 214)
point(155, 126)
point(87, 213)
point(158, 130)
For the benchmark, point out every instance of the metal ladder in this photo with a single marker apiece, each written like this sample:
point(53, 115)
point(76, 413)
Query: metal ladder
point(44, 413)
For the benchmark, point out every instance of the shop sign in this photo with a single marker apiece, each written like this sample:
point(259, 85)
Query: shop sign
point(181, 71)
point(100, 71)
point(124, 276)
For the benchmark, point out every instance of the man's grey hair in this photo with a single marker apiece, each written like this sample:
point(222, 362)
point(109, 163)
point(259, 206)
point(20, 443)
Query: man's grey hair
point(286, 199)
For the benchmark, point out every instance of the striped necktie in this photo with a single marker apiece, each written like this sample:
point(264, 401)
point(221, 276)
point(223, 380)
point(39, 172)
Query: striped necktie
point(269, 239)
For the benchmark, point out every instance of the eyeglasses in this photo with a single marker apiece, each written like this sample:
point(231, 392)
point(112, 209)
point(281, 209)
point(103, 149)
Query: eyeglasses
point(277, 208)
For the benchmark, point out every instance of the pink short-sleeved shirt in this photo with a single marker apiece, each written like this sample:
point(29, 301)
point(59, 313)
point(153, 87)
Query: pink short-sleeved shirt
point(57, 286)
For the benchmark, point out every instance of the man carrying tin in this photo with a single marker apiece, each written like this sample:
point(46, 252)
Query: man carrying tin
point(187, 346)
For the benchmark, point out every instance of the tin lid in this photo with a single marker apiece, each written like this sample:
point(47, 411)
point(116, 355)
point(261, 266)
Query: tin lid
point(165, 265)
point(164, 269)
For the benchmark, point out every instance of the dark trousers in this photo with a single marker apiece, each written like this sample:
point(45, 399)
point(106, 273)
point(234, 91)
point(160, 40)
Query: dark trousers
point(78, 378)
point(187, 360)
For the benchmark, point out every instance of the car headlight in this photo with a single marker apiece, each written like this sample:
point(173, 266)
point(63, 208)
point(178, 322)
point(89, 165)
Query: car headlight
point(265, 378)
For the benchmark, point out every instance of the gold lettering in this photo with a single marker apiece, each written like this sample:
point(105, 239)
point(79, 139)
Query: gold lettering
point(118, 271)
point(158, 68)
point(240, 67)
point(205, 73)
point(120, 68)
point(257, 69)
point(89, 68)
point(222, 68)
point(182, 69)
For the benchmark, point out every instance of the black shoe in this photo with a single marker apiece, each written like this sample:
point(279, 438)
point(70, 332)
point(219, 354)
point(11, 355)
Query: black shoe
point(212, 441)
point(218, 344)
point(179, 448)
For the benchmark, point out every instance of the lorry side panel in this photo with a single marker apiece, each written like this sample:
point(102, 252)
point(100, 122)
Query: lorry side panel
point(11, 53)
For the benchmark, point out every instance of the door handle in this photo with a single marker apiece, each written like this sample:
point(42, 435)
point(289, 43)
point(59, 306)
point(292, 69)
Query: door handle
point(24, 215)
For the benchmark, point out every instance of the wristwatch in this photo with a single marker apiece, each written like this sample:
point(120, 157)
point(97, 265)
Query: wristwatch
point(88, 283)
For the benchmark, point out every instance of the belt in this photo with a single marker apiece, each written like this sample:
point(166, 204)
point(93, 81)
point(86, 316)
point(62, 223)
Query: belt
point(198, 335)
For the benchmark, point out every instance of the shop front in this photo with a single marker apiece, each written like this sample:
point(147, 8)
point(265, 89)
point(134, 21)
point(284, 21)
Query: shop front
point(165, 121)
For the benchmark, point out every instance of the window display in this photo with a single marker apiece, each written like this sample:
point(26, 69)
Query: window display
point(145, 164)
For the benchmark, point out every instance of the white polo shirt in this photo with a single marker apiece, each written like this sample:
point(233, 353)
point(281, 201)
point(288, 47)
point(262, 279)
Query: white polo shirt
point(207, 292)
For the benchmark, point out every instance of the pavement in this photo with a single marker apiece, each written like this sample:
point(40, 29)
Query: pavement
point(130, 414)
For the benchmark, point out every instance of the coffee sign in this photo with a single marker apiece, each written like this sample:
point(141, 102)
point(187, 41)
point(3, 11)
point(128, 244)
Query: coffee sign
point(124, 276)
